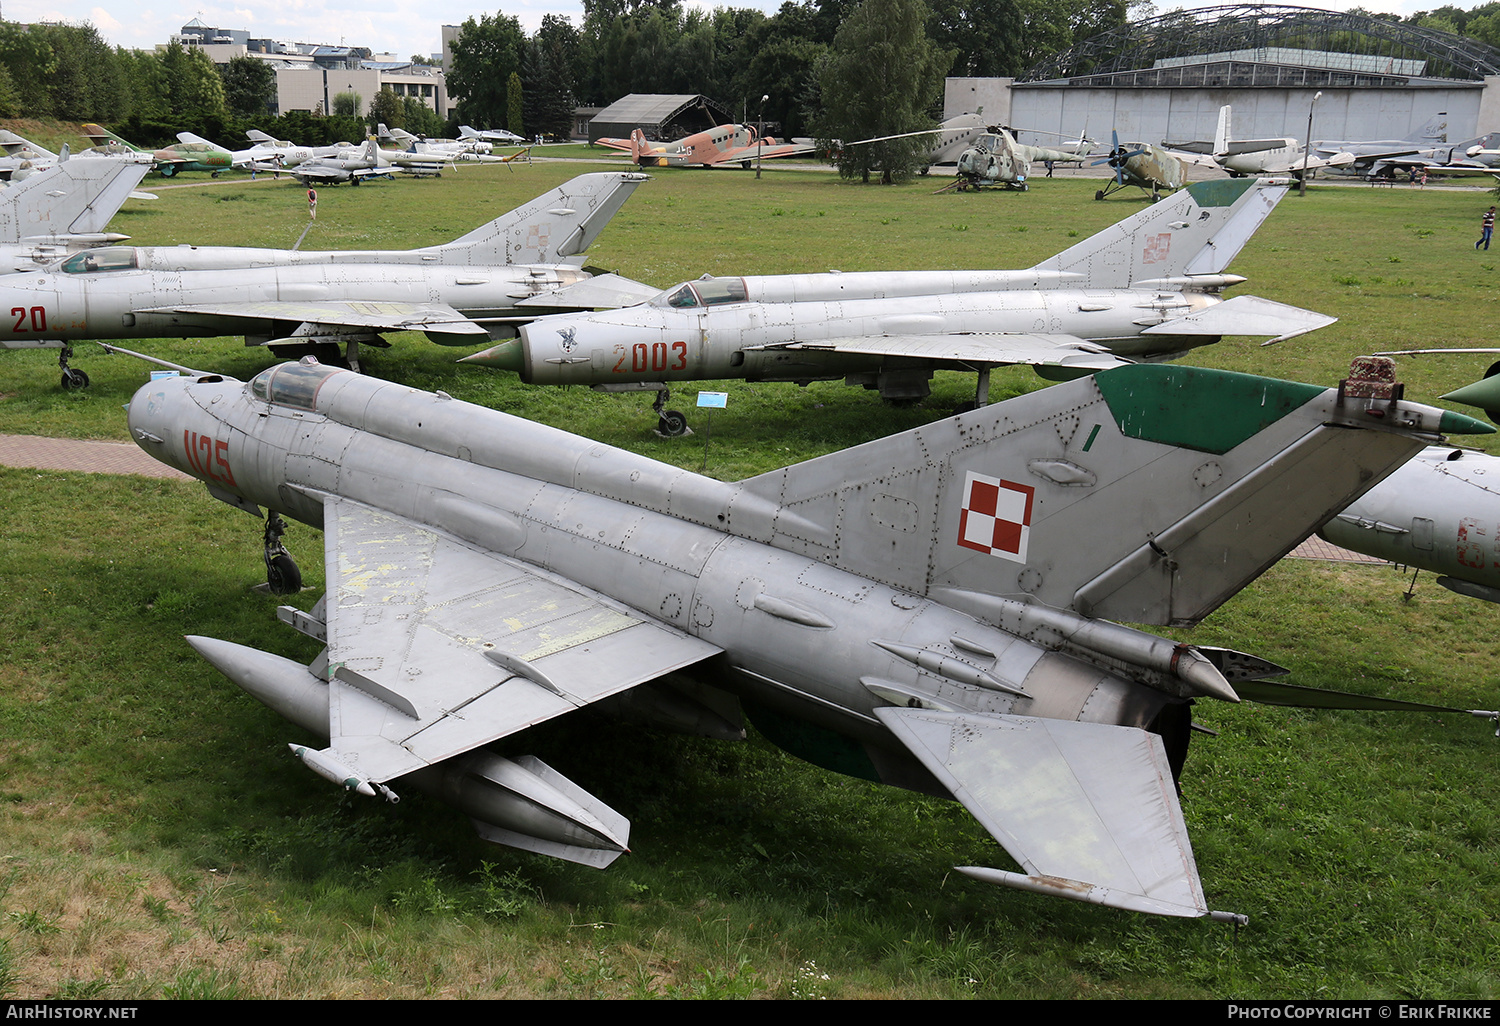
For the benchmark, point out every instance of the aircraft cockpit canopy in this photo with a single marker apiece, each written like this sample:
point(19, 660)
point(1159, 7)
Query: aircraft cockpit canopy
point(705, 292)
point(109, 258)
point(293, 384)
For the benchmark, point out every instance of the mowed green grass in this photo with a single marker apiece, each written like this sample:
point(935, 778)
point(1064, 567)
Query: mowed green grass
point(156, 839)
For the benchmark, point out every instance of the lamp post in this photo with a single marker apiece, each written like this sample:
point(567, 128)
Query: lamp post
point(760, 133)
point(1307, 143)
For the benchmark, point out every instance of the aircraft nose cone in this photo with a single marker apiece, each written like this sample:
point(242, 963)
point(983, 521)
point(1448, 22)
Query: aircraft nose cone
point(506, 356)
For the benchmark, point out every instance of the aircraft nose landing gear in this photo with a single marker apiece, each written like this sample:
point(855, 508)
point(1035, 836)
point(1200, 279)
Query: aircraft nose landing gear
point(72, 378)
point(669, 423)
point(282, 575)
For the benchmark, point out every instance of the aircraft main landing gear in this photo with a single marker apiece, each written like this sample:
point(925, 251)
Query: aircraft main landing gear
point(73, 379)
point(282, 575)
point(669, 423)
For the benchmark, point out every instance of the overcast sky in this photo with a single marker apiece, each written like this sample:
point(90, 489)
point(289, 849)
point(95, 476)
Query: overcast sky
point(388, 26)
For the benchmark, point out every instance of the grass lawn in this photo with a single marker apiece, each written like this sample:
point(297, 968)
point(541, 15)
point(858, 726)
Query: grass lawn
point(156, 840)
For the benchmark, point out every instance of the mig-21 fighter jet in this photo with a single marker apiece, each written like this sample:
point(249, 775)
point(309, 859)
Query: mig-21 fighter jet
point(1148, 288)
point(461, 293)
point(934, 610)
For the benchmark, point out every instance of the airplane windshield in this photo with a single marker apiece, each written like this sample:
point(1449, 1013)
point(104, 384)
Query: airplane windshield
point(91, 261)
point(292, 384)
point(708, 292)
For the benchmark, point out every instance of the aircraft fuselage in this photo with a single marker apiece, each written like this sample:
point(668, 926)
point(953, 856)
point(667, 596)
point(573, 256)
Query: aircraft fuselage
point(797, 633)
point(752, 340)
point(140, 301)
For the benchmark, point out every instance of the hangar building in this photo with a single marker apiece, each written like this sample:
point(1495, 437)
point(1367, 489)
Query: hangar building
point(1165, 78)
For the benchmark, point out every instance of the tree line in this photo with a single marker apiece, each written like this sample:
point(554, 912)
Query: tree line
point(69, 73)
point(732, 55)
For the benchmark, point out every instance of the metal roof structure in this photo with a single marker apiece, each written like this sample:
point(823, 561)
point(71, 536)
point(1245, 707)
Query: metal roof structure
point(1267, 45)
point(662, 116)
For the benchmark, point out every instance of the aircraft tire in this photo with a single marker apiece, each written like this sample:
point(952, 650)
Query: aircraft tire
point(283, 575)
point(74, 379)
point(672, 423)
point(1099, 195)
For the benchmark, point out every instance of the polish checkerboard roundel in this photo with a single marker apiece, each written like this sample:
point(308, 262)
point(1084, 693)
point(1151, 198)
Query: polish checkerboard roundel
point(996, 516)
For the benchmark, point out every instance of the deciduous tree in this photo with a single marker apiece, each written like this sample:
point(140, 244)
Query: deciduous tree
point(882, 78)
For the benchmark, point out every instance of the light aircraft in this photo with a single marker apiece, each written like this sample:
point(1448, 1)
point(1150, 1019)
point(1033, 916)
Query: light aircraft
point(491, 135)
point(1149, 168)
point(461, 293)
point(931, 610)
point(192, 153)
point(350, 166)
point(1280, 156)
point(1147, 288)
point(106, 144)
point(66, 208)
point(22, 156)
point(463, 151)
point(269, 154)
point(724, 144)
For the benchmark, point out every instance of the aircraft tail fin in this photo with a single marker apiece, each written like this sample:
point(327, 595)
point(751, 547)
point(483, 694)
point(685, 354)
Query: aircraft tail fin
point(1434, 130)
point(1199, 230)
point(257, 136)
point(638, 145)
point(556, 225)
point(1221, 133)
point(1148, 493)
point(74, 198)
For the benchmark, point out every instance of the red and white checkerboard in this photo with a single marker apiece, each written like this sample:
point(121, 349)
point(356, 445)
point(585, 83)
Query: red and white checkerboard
point(996, 517)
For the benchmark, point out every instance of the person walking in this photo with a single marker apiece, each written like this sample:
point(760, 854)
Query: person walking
point(1486, 228)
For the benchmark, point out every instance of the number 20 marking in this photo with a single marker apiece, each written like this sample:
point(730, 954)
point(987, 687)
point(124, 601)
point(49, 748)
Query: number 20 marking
point(38, 319)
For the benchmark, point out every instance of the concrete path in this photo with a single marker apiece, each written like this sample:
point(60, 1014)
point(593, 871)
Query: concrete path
point(89, 457)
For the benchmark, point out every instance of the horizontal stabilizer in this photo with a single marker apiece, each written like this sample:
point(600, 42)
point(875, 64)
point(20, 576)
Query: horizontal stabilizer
point(1246, 315)
point(1268, 692)
point(1089, 810)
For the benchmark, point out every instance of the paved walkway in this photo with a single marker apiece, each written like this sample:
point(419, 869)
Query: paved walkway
point(124, 458)
point(89, 457)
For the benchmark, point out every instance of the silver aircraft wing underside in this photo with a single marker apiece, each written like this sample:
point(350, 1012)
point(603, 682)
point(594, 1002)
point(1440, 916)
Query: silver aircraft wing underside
point(377, 315)
point(1089, 810)
point(436, 647)
point(971, 347)
point(1245, 315)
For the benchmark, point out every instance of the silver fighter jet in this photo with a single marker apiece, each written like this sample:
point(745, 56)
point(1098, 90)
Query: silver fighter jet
point(1147, 288)
point(461, 293)
point(62, 210)
point(932, 610)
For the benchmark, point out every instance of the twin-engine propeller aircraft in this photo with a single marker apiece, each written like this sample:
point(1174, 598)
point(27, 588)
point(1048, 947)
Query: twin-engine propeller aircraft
point(461, 293)
point(1148, 288)
point(724, 144)
point(931, 610)
point(1279, 156)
